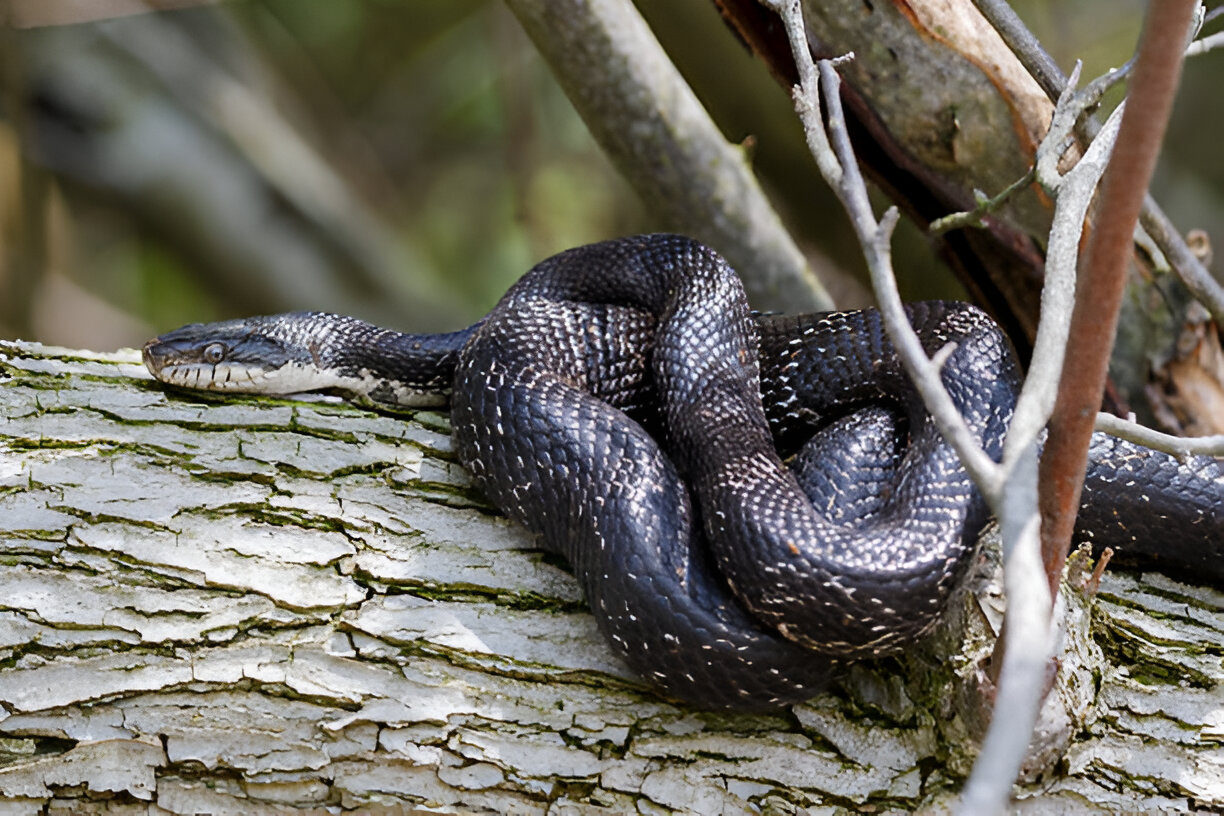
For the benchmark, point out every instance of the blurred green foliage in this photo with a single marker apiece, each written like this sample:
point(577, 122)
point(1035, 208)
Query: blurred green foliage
point(448, 127)
point(464, 140)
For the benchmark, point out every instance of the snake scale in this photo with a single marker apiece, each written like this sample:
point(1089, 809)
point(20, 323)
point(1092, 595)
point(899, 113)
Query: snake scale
point(748, 501)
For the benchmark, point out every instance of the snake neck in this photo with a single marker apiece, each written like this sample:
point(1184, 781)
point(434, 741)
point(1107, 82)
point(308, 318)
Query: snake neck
point(387, 367)
point(310, 351)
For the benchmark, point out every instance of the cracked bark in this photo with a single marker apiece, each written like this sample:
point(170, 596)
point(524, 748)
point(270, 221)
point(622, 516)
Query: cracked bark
point(266, 606)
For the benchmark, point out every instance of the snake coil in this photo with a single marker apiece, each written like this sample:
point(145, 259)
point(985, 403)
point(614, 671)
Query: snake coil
point(748, 501)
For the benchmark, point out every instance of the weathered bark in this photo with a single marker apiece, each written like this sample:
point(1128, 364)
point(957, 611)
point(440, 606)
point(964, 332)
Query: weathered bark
point(265, 606)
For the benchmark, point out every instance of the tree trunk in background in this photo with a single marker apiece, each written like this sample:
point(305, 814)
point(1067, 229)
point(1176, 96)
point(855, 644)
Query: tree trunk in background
point(266, 606)
point(939, 107)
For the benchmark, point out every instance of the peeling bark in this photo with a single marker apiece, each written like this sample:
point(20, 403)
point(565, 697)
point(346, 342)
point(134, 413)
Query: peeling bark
point(270, 606)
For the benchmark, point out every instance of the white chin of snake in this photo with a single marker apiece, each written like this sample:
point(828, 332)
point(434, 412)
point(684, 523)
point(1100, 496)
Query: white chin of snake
point(291, 378)
point(296, 378)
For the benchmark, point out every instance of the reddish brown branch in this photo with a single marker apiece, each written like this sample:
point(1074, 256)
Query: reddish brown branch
point(1102, 275)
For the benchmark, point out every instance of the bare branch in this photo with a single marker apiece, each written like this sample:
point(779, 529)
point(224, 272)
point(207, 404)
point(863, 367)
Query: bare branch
point(1068, 111)
point(1033, 636)
point(1179, 446)
point(1028, 50)
point(1075, 193)
point(835, 158)
point(649, 122)
point(1206, 44)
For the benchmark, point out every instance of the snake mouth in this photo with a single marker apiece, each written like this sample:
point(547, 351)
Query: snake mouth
point(211, 378)
point(157, 358)
point(230, 356)
point(205, 366)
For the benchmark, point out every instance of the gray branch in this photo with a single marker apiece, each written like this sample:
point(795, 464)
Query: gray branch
point(655, 130)
point(1176, 445)
point(263, 605)
point(1152, 219)
point(1010, 486)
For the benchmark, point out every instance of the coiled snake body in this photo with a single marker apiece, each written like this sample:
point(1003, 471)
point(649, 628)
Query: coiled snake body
point(615, 381)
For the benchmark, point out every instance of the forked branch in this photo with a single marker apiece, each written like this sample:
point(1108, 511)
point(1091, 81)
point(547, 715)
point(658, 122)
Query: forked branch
point(1010, 486)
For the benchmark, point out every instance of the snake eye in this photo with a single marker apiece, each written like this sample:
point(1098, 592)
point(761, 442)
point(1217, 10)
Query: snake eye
point(214, 353)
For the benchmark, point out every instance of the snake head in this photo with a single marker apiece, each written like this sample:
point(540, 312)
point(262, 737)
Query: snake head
point(260, 355)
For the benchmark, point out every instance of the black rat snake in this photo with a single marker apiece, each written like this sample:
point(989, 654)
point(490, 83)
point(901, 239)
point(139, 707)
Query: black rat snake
point(616, 380)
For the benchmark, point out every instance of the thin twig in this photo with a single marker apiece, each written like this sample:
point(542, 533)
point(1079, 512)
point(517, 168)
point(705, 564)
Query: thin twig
point(1046, 72)
point(1075, 194)
point(875, 238)
point(1100, 289)
point(1094, 582)
point(985, 206)
point(835, 159)
point(1068, 111)
point(1179, 446)
point(1208, 43)
point(1059, 135)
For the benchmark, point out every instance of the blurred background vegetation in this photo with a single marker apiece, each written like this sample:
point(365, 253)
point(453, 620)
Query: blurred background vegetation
point(401, 161)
